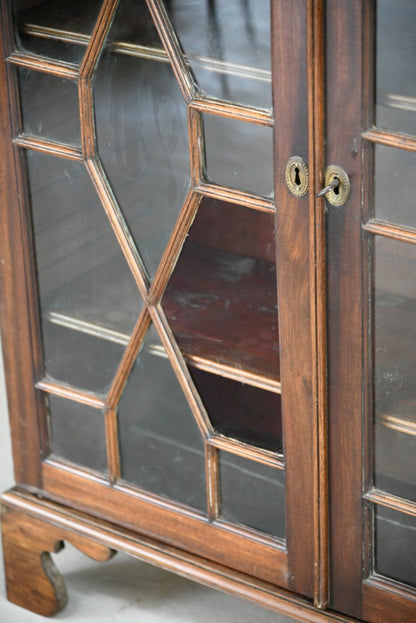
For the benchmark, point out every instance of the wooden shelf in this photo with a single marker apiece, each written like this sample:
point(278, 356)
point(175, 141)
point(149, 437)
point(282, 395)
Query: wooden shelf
point(222, 308)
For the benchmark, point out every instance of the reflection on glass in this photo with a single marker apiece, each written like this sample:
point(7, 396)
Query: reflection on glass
point(49, 106)
point(88, 298)
point(77, 434)
point(395, 367)
point(50, 27)
point(228, 45)
point(241, 411)
point(141, 122)
point(161, 448)
point(252, 494)
point(396, 61)
point(239, 154)
point(396, 545)
point(395, 186)
point(221, 300)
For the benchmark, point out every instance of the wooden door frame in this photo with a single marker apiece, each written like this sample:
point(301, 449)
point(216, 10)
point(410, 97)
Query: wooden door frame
point(350, 71)
point(299, 112)
point(305, 423)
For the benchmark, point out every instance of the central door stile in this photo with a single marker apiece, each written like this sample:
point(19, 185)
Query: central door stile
point(317, 249)
point(298, 64)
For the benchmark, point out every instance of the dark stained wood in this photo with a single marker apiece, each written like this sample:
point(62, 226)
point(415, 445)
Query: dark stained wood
point(391, 501)
point(345, 23)
point(250, 553)
point(316, 123)
point(181, 370)
point(212, 476)
point(212, 318)
point(18, 310)
point(97, 39)
point(54, 68)
point(233, 111)
point(48, 147)
point(196, 146)
point(32, 579)
point(405, 234)
point(386, 600)
point(71, 393)
point(249, 452)
point(174, 246)
point(170, 42)
point(79, 528)
point(289, 31)
point(390, 139)
point(118, 223)
point(127, 361)
point(236, 196)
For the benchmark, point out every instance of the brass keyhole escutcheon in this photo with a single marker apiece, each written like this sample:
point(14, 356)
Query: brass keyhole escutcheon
point(297, 176)
point(338, 195)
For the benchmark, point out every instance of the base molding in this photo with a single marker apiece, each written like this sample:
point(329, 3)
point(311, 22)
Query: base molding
point(32, 527)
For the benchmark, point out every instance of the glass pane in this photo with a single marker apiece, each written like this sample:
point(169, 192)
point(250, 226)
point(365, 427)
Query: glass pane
point(396, 545)
point(88, 298)
point(228, 45)
point(55, 28)
point(239, 154)
point(161, 448)
point(252, 494)
point(395, 186)
point(49, 106)
point(141, 122)
point(396, 61)
point(77, 434)
point(221, 300)
point(241, 411)
point(395, 366)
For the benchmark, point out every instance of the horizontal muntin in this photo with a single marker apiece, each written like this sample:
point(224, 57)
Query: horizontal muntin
point(400, 424)
point(376, 496)
point(119, 337)
point(149, 53)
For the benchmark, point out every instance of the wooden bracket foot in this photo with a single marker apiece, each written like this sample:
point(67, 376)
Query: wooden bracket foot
point(32, 579)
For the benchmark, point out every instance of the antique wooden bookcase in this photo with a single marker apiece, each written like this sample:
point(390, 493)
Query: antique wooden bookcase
point(209, 366)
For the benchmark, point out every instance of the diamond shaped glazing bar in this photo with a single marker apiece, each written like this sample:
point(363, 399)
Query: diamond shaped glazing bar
point(181, 371)
point(173, 48)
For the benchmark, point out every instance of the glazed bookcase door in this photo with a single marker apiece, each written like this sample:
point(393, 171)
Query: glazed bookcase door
point(175, 338)
point(371, 250)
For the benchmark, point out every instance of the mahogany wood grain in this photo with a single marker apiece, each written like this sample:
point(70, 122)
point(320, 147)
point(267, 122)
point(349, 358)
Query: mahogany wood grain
point(391, 501)
point(316, 127)
point(64, 391)
point(290, 85)
point(170, 42)
point(386, 600)
point(118, 223)
point(236, 196)
point(18, 315)
point(32, 579)
point(100, 539)
point(48, 147)
point(395, 232)
point(345, 24)
point(244, 550)
point(218, 325)
point(390, 139)
point(52, 67)
point(233, 111)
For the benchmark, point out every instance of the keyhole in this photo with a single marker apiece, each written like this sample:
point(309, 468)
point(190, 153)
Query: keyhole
point(336, 189)
point(297, 176)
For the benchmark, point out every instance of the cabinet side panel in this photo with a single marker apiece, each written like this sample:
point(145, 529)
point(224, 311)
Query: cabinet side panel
point(16, 288)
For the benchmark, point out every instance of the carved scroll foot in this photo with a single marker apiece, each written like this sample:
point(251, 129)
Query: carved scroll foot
point(32, 579)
